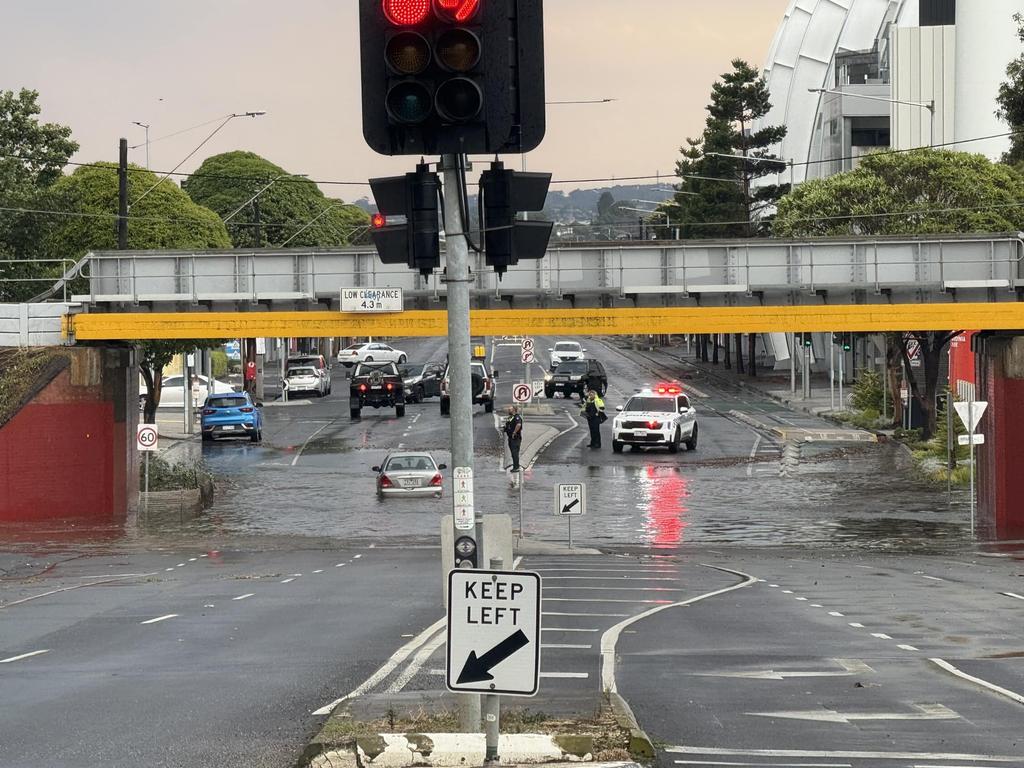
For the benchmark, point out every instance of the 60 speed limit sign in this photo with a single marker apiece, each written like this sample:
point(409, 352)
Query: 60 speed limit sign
point(146, 437)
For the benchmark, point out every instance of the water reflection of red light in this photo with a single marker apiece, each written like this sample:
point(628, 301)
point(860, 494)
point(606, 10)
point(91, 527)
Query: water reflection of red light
point(667, 506)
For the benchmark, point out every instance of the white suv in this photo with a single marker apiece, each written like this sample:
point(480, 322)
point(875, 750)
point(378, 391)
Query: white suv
point(565, 350)
point(661, 416)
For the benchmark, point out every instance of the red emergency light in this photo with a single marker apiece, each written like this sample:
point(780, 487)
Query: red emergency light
point(668, 389)
point(378, 221)
point(406, 13)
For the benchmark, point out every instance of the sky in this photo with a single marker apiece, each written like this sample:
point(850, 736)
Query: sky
point(99, 65)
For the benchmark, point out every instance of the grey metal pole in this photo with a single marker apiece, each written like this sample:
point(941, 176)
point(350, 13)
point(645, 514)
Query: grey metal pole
point(970, 418)
point(186, 396)
point(146, 491)
point(569, 518)
point(950, 450)
point(492, 703)
point(459, 375)
point(792, 363)
point(832, 373)
point(842, 375)
point(522, 530)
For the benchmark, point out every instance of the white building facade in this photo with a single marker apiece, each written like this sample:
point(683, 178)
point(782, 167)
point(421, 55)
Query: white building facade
point(836, 67)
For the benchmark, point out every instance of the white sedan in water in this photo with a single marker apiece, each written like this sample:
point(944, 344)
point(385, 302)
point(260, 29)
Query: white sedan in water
point(172, 393)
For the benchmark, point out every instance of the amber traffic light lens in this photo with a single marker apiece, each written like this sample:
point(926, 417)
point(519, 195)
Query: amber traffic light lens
point(408, 53)
point(409, 103)
point(458, 50)
point(459, 100)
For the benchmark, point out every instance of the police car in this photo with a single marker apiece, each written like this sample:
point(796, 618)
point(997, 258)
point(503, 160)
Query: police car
point(656, 416)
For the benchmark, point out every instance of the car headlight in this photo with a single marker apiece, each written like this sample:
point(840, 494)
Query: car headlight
point(547, 377)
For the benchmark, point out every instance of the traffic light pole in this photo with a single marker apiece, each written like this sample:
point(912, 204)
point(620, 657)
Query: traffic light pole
point(459, 353)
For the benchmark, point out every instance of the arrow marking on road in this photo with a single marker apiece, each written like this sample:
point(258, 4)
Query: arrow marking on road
point(478, 669)
point(568, 507)
point(923, 712)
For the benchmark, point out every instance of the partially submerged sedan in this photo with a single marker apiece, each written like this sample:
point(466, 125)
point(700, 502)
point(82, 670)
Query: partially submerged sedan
point(410, 474)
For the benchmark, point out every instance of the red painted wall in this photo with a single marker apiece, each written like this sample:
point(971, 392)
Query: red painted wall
point(999, 476)
point(961, 364)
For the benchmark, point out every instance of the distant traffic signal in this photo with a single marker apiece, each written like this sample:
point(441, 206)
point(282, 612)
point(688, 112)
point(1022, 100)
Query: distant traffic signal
point(807, 339)
point(504, 194)
point(844, 340)
point(415, 243)
point(452, 76)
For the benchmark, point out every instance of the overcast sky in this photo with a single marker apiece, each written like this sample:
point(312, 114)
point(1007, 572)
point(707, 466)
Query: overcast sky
point(100, 64)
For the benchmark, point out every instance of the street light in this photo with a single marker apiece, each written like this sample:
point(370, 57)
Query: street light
point(228, 119)
point(146, 126)
point(929, 105)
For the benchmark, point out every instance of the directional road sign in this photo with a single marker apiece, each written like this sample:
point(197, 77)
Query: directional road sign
point(462, 498)
point(571, 499)
point(146, 437)
point(493, 632)
point(967, 416)
point(529, 356)
point(528, 345)
point(522, 393)
point(538, 387)
point(975, 438)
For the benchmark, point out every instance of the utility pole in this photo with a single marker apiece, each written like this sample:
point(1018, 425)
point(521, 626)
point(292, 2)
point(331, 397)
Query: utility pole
point(459, 375)
point(122, 196)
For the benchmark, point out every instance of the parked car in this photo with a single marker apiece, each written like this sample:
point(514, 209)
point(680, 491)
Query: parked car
point(483, 388)
point(378, 385)
point(576, 376)
point(307, 379)
point(172, 393)
point(410, 474)
point(313, 360)
point(422, 381)
point(662, 416)
point(565, 350)
point(373, 352)
point(231, 415)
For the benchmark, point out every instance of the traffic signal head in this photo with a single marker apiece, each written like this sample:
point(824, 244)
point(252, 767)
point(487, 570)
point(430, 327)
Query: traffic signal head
point(452, 76)
point(508, 239)
point(415, 243)
point(847, 342)
point(808, 340)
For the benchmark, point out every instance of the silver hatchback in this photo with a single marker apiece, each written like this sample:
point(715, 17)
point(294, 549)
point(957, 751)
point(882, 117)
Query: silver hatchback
point(410, 474)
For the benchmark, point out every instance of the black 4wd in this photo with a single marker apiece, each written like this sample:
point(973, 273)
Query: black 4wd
point(576, 376)
point(378, 385)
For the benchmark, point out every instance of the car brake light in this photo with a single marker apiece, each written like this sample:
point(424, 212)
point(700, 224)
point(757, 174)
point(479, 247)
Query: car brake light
point(654, 425)
point(435, 480)
point(390, 386)
point(385, 482)
point(209, 411)
point(246, 410)
point(362, 387)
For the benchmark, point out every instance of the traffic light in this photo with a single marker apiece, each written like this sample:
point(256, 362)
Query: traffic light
point(808, 339)
point(507, 239)
point(847, 342)
point(416, 243)
point(452, 76)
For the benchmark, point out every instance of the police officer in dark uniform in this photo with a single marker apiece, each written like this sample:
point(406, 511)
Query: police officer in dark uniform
point(514, 433)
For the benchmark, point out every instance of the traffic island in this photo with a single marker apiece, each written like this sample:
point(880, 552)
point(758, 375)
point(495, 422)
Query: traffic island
point(428, 737)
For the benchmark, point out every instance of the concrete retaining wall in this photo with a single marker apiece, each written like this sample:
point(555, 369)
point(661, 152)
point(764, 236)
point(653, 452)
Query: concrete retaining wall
point(31, 325)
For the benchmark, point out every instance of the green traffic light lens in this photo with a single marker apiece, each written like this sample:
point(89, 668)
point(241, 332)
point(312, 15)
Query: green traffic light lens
point(459, 100)
point(458, 50)
point(408, 53)
point(409, 103)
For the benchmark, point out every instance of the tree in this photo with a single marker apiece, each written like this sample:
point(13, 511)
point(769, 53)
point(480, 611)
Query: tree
point(718, 169)
point(292, 209)
point(32, 155)
point(164, 217)
point(1011, 100)
point(909, 193)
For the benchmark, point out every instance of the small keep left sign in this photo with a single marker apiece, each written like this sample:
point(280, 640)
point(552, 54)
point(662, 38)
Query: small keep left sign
point(493, 632)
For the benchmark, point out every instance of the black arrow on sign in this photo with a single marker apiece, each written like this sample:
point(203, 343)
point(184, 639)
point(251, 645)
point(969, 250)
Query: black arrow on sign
point(478, 669)
point(568, 507)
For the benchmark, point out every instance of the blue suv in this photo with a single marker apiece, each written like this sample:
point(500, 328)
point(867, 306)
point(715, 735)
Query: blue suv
point(232, 415)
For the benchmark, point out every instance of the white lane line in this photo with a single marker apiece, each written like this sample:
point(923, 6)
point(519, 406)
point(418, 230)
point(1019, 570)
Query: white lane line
point(566, 629)
point(21, 656)
point(609, 578)
point(997, 689)
point(774, 586)
point(168, 569)
point(356, 557)
point(389, 666)
point(618, 589)
point(856, 625)
point(319, 570)
point(421, 658)
point(180, 565)
point(246, 596)
point(204, 555)
point(288, 581)
point(69, 589)
point(604, 600)
point(1012, 594)
point(568, 646)
point(905, 647)
point(816, 605)
point(566, 675)
point(160, 618)
point(766, 765)
point(753, 453)
point(787, 591)
point(835, 613)
point(192, 559)
point(115, 575)
point(308, 441)
point(611, 638)
point(802, 599)
point(340, 565)
point(881, 635)
point(839, 754)
point(599, 615)
point(656, 569)
point(931, 578)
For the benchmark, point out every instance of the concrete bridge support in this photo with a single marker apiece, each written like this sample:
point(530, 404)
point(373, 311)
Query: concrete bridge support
point(1000, 362)
point(68, 450)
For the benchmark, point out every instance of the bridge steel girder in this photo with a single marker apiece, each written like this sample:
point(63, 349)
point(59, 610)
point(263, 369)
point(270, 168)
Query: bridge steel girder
point(862, 318)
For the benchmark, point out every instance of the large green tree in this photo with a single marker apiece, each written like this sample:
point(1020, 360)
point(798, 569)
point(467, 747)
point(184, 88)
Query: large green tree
point(292, 209)
point(1011, 100)
point(162, 216)
point(909, 193)
point(718, 169)
point(32, 154)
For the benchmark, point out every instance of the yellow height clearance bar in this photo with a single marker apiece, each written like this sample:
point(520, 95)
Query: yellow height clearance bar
point(550, 322)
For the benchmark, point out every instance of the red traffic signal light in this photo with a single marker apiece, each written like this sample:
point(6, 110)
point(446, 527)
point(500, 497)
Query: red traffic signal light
point(457, 10)
point(406, 13)
point(378, 221)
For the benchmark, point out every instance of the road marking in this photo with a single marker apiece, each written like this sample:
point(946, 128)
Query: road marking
point(160, 618)
point(28, 655)
point(168, 569)
point(288, 580)
point(905, 647)
point(356, 557)
point(622, 589)
point(417, 662)
point(840, 754)
point(566, 646)
point(753, 454)
point(389, 666)
point(1012, 594)
point(881, 635)
point(835, 613)
point(774, 586)
point(803, 599)
point(767, 765)
point(610, 578)
point(192, 559)
point(544, 447)
point(180, 565)
point(600, 615)
point(308, 441)
point(787, 591)
point(931, 578)
point(856, 625)
point(246, 596)
point(611, 637)
point(604, 600)
point(566, 629)
point(654, 569)
point(320, 570)
point(340, 565)
point(566, 675)
point(921, 712)
point(1005, 692)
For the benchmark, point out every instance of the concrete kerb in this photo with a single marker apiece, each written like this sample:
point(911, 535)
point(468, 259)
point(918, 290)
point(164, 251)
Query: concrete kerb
point(640, 745)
